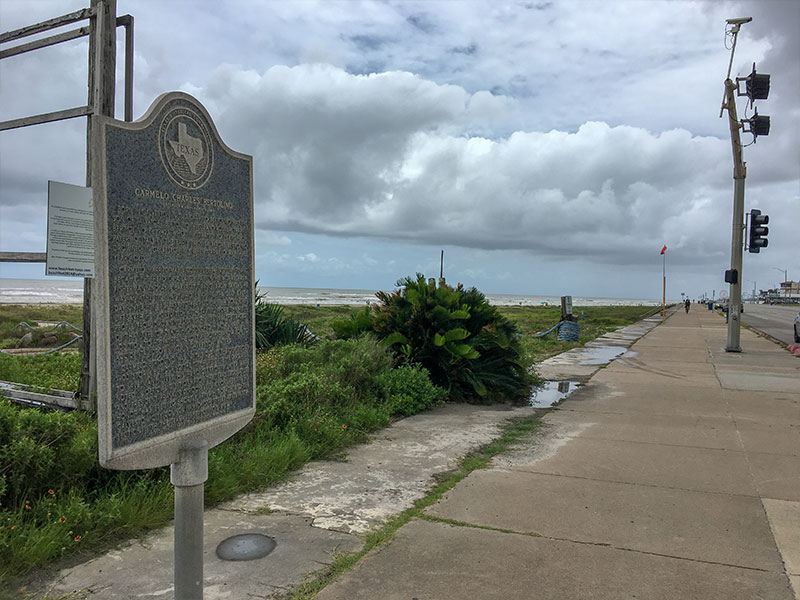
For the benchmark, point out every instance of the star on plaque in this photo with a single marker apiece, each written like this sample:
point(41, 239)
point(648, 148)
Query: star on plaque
point(189, 147)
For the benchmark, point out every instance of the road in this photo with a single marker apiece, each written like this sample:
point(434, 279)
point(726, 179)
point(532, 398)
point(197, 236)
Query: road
point(774, 320)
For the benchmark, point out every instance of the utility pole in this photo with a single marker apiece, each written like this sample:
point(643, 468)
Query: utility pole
point(739, 174)
point(757, 88)
point(737, 229)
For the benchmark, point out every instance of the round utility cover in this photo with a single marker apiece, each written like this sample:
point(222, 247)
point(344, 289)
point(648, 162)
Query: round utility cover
point(246, 546)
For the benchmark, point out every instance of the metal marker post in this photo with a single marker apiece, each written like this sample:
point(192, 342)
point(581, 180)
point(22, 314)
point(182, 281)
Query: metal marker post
point(188, 476)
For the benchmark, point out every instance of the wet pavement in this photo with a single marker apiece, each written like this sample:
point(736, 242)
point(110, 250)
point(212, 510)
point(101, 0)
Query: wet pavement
point(671, 473)
point(581, 363)
point(551, 393)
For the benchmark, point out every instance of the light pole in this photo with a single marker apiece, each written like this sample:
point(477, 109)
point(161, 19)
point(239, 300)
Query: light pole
point(785, 279)
point(739, 174)
point(753, 297)
point(757, 86)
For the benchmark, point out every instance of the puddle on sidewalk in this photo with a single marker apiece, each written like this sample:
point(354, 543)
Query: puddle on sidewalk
point(551, 392)
point(600, 355)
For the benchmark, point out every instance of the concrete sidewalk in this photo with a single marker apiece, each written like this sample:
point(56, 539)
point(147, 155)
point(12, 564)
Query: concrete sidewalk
point(324, 507)
point(673, 473)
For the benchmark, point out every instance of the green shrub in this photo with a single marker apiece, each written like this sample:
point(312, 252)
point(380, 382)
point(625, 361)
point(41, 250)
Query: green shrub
point(42, 450)
point(274, 329)
point(465, 344)
point(336, 392)
point(358, 323)
point(408, 390)
point(310, 403)
point(60, 370)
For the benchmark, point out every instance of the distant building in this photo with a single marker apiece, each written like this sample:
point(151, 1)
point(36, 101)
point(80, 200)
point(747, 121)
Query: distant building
point(790, 289)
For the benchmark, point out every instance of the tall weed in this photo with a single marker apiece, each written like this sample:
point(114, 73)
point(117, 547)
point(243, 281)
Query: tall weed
point(56, 499)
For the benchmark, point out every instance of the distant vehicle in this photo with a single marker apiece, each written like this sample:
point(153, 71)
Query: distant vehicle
point(797, 329)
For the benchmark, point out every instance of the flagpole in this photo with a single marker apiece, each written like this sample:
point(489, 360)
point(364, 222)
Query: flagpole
point(664, 289)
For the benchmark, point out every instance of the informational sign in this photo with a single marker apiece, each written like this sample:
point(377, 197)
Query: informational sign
point(566, 307)
point(174, 285)
point(70, 231)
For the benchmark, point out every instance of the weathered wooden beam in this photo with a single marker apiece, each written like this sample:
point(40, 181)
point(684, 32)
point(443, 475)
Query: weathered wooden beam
point(23, 257)
point(4, 385)
point(63, 401)
point(59, 115)
point(78, 15)
point(126, 21)
point(73, 34)
point(102, 80)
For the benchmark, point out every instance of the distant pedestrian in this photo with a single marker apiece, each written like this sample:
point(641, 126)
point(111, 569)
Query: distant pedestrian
point(686, 305)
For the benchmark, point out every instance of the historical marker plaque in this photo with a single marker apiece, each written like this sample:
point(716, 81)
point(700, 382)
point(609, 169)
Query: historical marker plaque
point(174, 285)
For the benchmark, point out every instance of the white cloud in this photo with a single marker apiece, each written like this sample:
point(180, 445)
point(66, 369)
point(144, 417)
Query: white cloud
point(389, 156)
point(556, 131)
point(272, 238)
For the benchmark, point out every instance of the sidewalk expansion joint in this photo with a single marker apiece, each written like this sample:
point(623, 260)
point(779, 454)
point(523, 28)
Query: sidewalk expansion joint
point(588, 411)
point(456, 523)
point(634, 483)
point(602, 439)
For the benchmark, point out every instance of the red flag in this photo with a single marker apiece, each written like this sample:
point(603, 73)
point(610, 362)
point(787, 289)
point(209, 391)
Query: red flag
point(664, 249)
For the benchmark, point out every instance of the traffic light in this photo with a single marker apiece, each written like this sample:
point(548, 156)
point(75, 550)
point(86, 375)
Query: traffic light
point(757, 125)
point(757, 85)
point(758, 231)
point(756, 88)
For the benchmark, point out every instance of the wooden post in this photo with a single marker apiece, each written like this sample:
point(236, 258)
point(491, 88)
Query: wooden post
point(102, 70)
point(566, 308)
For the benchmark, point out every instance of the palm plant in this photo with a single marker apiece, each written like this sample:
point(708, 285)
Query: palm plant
point(466, 345)
point(274, 329)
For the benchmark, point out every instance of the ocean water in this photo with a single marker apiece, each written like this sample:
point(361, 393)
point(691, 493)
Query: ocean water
point(70, 291)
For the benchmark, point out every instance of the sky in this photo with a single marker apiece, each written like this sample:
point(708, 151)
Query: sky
point(548, 147)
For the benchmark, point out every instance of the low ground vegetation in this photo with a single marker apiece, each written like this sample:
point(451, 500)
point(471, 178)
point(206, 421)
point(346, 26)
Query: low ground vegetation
point(313, 400)
point(594, 321)
point(42, 319)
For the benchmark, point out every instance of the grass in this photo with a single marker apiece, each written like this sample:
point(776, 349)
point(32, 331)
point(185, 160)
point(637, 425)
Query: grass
point(318, 318)
point(55, 499)
point(514, 432)
point(60, 370)
point(594, 322)
point(11, 315)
